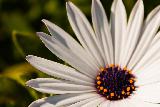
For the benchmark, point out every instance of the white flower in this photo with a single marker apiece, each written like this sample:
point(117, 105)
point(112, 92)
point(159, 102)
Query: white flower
point(116, 65)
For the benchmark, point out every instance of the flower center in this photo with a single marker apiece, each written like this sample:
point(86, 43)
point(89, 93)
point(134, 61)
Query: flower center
point(115, 83)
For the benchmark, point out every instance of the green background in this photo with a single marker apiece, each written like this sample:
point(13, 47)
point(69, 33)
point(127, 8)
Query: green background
point(19, 22)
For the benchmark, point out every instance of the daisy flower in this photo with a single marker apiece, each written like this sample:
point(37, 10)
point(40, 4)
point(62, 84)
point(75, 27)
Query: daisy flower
point(116, 64)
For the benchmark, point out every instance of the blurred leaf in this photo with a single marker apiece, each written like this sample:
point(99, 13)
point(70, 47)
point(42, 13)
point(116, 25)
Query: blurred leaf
point(35, 12)
point(14, 39)
point(15, 21)
point(18, 71)
point(24, 42)
point(22, 72)
point(51, 6)
point(12, 94)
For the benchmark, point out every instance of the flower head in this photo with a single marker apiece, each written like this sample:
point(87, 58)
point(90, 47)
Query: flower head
point(116, 63)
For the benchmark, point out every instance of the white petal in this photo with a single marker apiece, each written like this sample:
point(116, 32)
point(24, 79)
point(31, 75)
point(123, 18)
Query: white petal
point(149, 75)
point(69, 43)
point(61, 100)
point(133, 31)
point(50, 101)
point(151, 56)
point(41, 103)
point(156, 39)
point(151, 26)
point(80, 103)
point(54, 86)
point(65, 54)
point(76, 99)
point(105, 104)
point(137, 102)
point(145, 104)
point(84, 32)
point(152, 14)
point(58, 70)
point(112, 18)
point(121, 103)
point(118, 28)
point(102, 30)
point(149, 93)
point(95, 102)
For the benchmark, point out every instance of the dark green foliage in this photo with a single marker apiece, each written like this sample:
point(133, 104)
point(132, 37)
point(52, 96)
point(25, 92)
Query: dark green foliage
point(13, 94)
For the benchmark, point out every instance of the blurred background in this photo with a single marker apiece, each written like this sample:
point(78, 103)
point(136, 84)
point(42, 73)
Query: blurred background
point(19, 22)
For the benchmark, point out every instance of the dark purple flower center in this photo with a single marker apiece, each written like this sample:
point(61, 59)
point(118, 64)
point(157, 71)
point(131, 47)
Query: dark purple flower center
point(115, 83)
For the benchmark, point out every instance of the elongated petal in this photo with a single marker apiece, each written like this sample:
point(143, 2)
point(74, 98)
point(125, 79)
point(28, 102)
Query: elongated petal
point(102, 30)
point(105, 104)
point(65, 54)
point(80, 103)
point(144, 104)
point(149, 75)
point(133, 101)
point(118, 28)
point(94, 103)
point(58, 70)
point(150, 29)
point(138, 102)
point(54, 86)
point(50, 101)
point(76, 98)
point(151, 56)
point(149, 93)
point(133, 31)
point(121, 103)
point(152, 14)
point(61, 100)
point(66, 40)
point(84, 32)
point(156, 39)
point(112, 19)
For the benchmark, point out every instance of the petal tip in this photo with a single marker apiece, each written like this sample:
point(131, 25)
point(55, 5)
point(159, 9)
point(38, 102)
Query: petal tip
point(31, 83)
point(28, 83)
point(41, 34)
point(28, 57)
point(140, 2)
point(44, 20)
point(69, 3)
